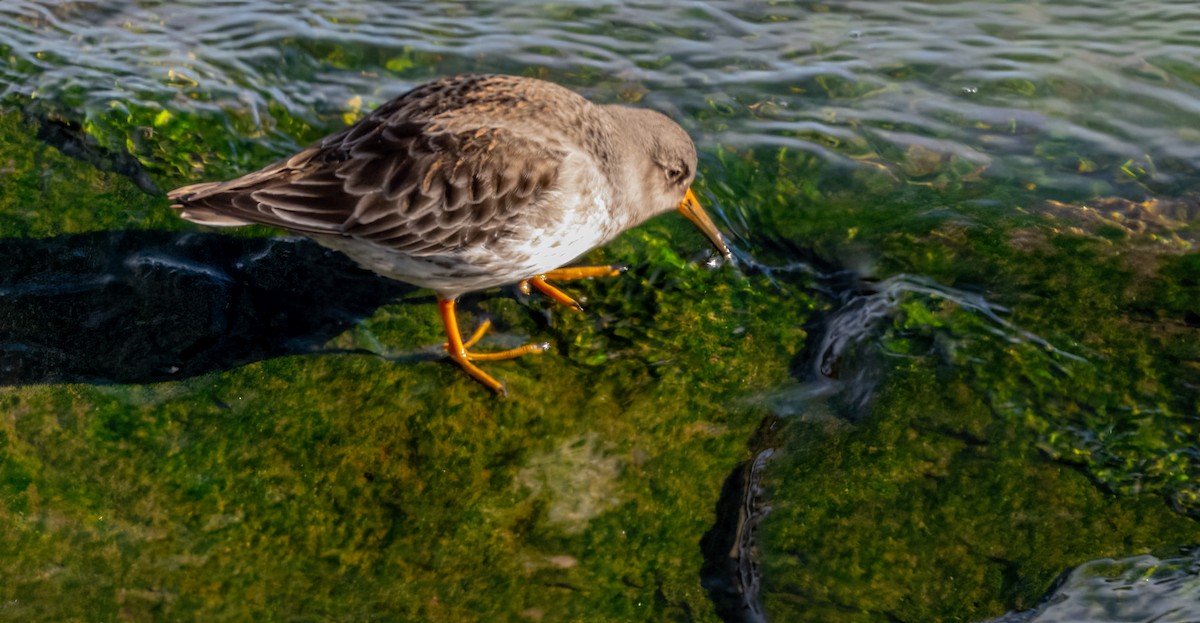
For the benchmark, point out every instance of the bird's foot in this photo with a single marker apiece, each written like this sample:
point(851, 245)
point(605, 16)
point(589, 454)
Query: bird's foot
point(460, 353)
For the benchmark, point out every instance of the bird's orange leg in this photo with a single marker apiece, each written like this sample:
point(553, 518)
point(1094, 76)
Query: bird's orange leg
point(581, 272)
point(457, 349)
point(480, 331)
point(541, 282)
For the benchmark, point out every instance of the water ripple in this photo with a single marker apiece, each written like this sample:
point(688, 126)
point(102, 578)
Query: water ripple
point(1108, 82)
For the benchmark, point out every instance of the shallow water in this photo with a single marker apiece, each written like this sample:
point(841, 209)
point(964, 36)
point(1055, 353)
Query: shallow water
point(1142, 588)
point(963, 327)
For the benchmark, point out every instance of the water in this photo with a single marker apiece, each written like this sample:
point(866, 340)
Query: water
point(958, 356)
point(1142, 588)
point(984, 82)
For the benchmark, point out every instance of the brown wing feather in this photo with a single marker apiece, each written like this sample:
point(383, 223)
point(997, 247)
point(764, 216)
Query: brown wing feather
point(398, 178)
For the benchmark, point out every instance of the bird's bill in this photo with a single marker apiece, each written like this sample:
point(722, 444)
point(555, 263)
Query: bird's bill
point(690, 208)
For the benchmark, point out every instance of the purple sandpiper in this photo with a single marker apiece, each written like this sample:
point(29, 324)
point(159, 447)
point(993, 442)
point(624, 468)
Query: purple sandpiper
point(469, 183)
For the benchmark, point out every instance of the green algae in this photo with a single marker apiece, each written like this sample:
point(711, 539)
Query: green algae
point(1127, 409)
point(46, 193)
point(935, 510)
point(414, 495)
point(349, 486)
point(999, 449)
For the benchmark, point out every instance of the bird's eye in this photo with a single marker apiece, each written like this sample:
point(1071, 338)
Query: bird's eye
point(676, 175)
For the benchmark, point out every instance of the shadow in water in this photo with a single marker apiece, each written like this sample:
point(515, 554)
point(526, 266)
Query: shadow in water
point(829, 366)
point(730, 572)
point(144, 306)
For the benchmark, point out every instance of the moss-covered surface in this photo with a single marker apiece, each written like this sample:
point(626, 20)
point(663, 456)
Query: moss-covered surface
point(934, 509)
point(350, 487)
point(341, 485)
point(1002, 445)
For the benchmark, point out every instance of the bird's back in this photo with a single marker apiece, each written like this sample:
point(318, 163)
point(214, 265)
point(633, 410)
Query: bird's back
point(447, 165)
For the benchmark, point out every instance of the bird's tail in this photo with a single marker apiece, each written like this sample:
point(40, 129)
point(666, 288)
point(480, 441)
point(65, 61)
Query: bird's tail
point(185, 199)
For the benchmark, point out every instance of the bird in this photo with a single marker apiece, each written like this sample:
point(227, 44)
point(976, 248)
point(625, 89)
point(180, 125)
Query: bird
point(472, 182)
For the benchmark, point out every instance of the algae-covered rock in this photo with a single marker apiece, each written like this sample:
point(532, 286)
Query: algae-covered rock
point(965, 401)
point(355, 474)
point(945, 452)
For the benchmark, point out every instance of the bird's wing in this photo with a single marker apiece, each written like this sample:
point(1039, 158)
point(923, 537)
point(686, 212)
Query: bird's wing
point(415, 187)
